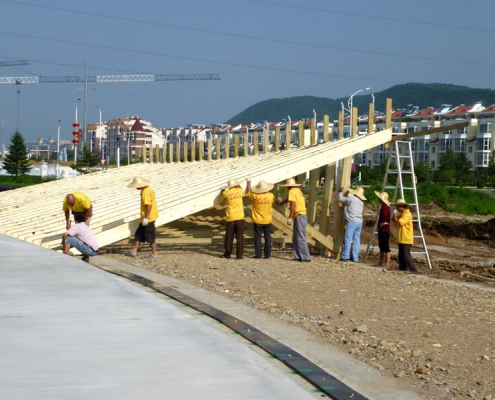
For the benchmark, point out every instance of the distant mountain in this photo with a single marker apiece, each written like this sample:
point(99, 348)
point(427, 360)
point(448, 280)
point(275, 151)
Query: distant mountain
point(418, 94)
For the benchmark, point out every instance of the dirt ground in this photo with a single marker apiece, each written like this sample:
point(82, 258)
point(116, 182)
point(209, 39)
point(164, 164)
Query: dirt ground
point(435, 336)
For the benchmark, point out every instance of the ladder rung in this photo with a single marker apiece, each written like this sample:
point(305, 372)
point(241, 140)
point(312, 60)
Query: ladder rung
point(418, 252)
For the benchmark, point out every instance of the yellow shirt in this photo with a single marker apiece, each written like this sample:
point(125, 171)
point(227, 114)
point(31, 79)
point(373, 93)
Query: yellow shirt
point(262, 207)
point(81, 204)
point(148, 197)
point(297, 196)
point(234, 208)
point(405, 234)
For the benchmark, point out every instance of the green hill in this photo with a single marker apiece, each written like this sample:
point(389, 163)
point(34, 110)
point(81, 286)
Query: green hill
point(418, 94)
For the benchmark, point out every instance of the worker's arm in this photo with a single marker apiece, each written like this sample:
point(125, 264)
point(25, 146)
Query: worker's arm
point(87, 214)
point(67, 219)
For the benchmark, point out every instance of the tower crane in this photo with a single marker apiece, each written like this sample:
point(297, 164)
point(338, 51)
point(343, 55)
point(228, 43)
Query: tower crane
point(17, 80)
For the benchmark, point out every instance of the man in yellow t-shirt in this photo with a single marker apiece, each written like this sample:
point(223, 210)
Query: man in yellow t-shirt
point(78, 203)
point(402, 218)
point(298, 218)
point(232, 195)
point(145, 232)
point(263, 201)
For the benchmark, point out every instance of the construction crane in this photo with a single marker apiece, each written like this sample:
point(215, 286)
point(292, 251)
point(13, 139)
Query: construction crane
point(13, 62)
point(17, 80)
point(107, 78)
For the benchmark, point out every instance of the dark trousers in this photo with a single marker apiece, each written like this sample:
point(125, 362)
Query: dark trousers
point(266, 230)
point(234, 228)
point(405, 260)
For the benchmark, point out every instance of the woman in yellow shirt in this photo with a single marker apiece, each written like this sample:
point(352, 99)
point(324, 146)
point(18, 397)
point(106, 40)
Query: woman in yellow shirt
point(402, 218)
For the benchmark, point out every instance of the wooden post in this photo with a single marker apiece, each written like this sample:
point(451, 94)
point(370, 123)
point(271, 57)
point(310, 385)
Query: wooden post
point(227, 146)
point(218, 148)
point(326, 204)
point(326, 131)
point(301, 178)
point(177, 151)
point(255, 143)
point(208, 150)
point(266, 141)
point(300, 134)
point(170, 152)
point(157, 154)
point(288, 136)
point(185, 149)
point(344, 176)
point(201, 150)
point(388, 114)
point(354, 122)
point(313, 132)
point(164, 153)
point(314, 181)
point(276, 145)
point(246, 145)
point(236, 146)
point(371, 118)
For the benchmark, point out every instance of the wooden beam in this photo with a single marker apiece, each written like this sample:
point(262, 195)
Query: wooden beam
point(314, 182)
point(276, 145)
point(388, 114)
point(255, 143)
point(326, 130)
point(430, 131)
point(371, 118)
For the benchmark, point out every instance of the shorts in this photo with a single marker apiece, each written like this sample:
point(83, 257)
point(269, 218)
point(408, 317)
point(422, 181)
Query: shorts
point(83, 213)
point(145, 233)
point(383, 242)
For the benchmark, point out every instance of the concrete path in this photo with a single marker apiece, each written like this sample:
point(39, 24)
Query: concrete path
point(69, 330)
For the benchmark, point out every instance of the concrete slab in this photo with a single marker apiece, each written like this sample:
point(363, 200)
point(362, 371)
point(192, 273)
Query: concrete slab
point(70, 330)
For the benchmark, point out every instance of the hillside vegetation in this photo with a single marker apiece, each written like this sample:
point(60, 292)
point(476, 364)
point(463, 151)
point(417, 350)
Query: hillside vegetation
point(418, 94)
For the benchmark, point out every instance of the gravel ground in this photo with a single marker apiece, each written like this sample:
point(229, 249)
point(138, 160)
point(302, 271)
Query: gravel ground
point(436, 336)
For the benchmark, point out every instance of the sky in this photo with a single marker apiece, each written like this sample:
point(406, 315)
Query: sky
point(260, 49)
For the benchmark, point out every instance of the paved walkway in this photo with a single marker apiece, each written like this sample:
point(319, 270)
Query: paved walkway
point(69, 330)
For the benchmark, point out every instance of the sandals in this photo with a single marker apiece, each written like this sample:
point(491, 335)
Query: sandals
point(128, 253)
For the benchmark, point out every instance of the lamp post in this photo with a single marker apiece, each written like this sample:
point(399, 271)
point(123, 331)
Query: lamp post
point(58, 146)
point(349, 105)
point(101, 134)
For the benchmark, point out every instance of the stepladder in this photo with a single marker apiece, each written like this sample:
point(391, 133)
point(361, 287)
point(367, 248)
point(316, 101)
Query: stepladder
point(400, 163)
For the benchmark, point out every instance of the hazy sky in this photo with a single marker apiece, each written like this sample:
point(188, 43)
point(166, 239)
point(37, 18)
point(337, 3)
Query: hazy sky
point(260, 49)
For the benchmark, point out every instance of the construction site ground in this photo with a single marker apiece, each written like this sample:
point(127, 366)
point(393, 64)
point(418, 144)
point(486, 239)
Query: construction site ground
point(433, 332)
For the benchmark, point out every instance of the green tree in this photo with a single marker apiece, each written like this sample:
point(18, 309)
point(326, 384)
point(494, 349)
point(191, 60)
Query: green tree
point(447, 169)
point(463, 169)
point(422, 172)
point(16, 162)
point(490, 170)
point(86, 161)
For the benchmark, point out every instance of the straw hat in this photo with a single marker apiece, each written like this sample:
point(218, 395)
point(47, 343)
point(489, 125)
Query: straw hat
point(139, 182)
point(232, 183)
point(262, 187)
point(359, 192)
point(402, 202)
point(291, 182)
point(383, 196)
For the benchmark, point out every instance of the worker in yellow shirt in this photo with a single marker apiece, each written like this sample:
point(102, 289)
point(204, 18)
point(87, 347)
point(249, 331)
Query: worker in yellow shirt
point(78, 203)
point(146, 231)
point(298, 218)
point(402, 218)
point(232, 195)
point(263, 201)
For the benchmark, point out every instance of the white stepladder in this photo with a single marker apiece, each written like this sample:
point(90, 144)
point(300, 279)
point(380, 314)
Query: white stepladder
point(401, 152)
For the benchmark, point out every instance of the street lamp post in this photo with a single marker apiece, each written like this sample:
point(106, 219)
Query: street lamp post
point(288, 139)
point(58, 147)
point(101, 134)
point(349, 105)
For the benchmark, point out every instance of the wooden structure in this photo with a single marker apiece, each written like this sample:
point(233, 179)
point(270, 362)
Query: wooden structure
point(34, 213)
